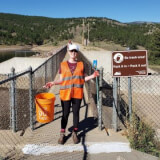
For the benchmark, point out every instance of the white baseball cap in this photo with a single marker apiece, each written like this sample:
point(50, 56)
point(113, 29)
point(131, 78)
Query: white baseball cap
point(73, 46)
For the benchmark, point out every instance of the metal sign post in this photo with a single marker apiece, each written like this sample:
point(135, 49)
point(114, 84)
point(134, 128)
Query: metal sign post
point(130, 97)
point(127, 64)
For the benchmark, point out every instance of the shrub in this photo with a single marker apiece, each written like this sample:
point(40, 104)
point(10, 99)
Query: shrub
point(142, 137)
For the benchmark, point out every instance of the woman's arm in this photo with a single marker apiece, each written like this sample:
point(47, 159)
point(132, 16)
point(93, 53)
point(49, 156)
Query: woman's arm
point(56, 82)
point(95, 74)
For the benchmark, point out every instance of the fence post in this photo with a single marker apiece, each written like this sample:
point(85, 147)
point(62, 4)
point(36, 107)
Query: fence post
point(13, 101)
point(130, 97)
point(100, 98)
point(118, 102)
point(45, 72)
point(52, 74)
point(31, 98)
point(115, 103)
point(10, 105)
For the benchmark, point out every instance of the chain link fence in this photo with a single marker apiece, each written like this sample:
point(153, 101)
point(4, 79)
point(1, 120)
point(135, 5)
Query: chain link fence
point(17, 108)
point(107, 99)
point(142, 93)
point(5, 106)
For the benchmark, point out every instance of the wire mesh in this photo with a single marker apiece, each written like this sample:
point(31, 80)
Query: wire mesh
point(145, 100)
point(8, 140)
point(3, 76)
point(5, 106)
point(22, 102)
point(107, 100)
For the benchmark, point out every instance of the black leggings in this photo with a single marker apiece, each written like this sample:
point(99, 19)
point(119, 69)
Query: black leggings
point(66, 105)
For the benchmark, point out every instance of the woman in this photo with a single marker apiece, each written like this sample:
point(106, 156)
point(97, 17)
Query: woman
point(71, 82)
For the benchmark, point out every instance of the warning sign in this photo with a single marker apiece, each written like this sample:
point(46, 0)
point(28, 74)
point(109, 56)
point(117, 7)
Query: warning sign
point(129, 63)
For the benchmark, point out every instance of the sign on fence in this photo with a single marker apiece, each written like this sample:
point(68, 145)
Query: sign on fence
point(129, 63)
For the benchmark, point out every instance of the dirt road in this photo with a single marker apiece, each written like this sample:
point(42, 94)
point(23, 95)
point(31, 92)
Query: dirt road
point(102, 56)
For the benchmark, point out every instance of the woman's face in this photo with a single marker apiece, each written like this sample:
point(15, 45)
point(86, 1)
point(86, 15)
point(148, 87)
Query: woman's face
point(73, 53)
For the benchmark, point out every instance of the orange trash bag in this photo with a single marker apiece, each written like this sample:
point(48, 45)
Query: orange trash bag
point(45, 107)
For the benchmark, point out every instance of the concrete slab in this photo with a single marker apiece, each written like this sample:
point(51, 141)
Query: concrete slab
point(20, 64)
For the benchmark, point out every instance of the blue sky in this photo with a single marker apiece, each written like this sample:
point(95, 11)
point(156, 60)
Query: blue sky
point(120, 10)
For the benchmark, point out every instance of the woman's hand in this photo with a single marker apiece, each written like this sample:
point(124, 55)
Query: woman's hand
point(49, 85)
point(95, 74)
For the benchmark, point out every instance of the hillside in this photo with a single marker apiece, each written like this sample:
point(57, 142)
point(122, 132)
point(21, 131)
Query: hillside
point(34, 30)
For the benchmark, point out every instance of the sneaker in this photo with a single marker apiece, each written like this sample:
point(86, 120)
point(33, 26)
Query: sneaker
point(75, 137)
point(61, 139)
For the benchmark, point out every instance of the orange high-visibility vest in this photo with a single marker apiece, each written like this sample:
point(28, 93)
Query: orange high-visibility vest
point(72, 84)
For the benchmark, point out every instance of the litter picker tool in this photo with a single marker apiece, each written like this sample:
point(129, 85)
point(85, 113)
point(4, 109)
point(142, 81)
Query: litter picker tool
point(97, 87)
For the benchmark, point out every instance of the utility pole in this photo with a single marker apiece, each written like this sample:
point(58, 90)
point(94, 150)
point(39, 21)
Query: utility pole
point(88, 33)
point(83, 33)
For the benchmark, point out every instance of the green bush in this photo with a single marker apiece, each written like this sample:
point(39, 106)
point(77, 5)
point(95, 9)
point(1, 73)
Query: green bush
point(55, 43)
point(142, 137)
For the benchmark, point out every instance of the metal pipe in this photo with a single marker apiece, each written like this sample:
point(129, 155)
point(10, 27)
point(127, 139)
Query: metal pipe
point(13, 109)
point(115, 102)
point(31, 99)
point(100, 98)
point(130, 97)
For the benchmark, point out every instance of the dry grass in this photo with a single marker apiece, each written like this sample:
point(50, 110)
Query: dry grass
point(110, 46)
point(155, 68)
point(13, 47)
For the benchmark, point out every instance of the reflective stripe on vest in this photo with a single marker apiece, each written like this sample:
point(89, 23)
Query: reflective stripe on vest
point(73, 77)
point(72, 85)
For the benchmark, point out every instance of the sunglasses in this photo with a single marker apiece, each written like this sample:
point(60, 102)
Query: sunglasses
point(74, 51)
